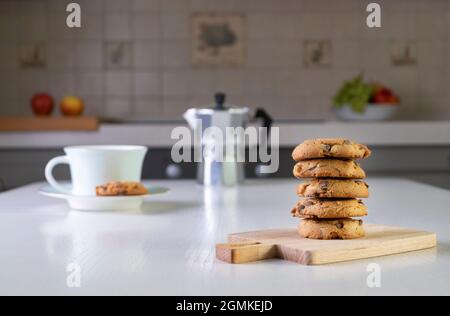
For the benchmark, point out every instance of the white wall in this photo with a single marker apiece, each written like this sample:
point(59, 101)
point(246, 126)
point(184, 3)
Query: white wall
point(160, 83)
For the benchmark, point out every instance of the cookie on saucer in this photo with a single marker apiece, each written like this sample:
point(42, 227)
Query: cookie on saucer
point(116, 188)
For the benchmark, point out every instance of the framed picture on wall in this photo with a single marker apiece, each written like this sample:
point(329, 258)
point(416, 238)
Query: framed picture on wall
point(317, 53)
point(403, 53)
point(217, 39)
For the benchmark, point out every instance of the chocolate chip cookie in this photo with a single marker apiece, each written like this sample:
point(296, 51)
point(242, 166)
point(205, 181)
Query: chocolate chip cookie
point(328, 168)
point(121, 188)
point(330, 208)
point(345, 228)
point(333, 188)
point(330, 148)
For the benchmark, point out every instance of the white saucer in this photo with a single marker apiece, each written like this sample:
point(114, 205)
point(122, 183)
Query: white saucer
point(102, 203)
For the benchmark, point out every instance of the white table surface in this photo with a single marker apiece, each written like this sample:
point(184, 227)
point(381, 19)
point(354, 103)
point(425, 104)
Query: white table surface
point(168, 248)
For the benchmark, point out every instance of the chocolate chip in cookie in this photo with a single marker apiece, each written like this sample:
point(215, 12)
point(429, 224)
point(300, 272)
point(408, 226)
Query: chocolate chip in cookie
point(327, 148)
point(323, 184)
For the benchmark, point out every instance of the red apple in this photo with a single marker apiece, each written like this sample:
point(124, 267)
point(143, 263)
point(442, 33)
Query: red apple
point(42, 104)
point(71, 106)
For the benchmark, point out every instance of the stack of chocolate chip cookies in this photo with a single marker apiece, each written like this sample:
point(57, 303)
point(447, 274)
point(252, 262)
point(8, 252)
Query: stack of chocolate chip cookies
point(332, 188)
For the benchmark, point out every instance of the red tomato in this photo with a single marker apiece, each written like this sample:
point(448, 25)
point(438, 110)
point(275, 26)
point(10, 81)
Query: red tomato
point(42, 104)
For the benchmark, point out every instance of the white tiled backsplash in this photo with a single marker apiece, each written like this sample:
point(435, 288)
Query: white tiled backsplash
point(133, 58)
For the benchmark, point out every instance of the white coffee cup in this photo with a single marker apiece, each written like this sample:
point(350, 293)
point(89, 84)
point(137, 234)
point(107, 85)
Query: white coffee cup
point(91, 166)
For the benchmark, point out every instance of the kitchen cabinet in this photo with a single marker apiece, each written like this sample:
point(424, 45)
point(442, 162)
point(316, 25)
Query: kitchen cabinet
point(427, 164)
point(417, 150)
point(22, 166)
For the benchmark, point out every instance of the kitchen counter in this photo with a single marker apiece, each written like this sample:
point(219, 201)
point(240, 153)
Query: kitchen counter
point(402, 133)
point(168, 248)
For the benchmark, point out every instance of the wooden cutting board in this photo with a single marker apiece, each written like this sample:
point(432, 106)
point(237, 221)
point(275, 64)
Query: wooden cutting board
point(288, 245)
point(27, 124)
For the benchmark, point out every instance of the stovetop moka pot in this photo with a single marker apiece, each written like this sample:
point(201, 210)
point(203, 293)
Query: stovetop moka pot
point(219, 167)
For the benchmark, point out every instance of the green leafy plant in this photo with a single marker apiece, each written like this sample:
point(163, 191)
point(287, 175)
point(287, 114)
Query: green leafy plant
point(354, 93)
